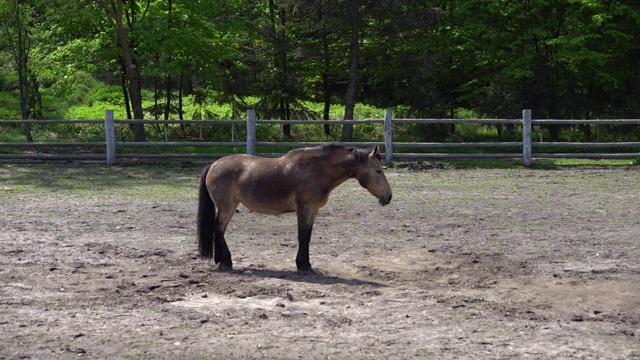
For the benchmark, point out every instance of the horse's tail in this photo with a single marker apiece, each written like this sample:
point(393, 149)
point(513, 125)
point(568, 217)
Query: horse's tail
point(206, 218)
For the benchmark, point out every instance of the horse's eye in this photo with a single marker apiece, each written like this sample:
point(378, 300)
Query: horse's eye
point(379, 171)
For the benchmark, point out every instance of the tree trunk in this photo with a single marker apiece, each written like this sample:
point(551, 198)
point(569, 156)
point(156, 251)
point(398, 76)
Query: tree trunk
point(167, 103)
point(326, 86)
point(156, 95)
point(285, 110)
point(326, 111)
point(131, 69)
point(180, 95)
point(21, 57)
point(350, 99)
point(155, 108)
point(554, 132)
point(280, 62)
point(34, 98)
point(24, 101)
point(326, 63)
point(125, 94)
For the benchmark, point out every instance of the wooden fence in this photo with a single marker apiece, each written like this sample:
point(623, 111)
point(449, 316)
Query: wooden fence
point(110, 145)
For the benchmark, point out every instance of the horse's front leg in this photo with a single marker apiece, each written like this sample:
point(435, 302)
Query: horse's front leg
point(306, 217)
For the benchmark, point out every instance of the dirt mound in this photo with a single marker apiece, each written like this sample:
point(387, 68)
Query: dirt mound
point(421, 166)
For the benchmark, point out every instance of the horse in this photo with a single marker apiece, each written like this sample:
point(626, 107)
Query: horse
point(299, 181)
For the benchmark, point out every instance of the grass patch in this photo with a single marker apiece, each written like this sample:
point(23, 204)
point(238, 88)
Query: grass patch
point(558, 163)
point(167, 180)
point(537, 164)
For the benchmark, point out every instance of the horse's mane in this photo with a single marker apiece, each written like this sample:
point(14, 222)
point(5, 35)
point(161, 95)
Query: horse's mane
point(360, 155)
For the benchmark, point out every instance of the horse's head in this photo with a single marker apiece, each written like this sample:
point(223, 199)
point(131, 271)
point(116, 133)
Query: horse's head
point(371, 175)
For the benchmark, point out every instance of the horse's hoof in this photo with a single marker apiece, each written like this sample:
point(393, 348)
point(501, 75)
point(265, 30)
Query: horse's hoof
point(308, 271)
point(224, 267)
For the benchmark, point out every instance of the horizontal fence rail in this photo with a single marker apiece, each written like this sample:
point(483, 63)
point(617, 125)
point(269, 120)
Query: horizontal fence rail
point(522, 149)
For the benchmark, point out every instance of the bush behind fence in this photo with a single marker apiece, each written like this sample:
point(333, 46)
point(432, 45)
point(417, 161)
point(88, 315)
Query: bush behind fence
point(107, 140)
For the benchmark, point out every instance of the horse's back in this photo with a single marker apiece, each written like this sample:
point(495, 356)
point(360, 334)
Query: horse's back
point(261, 184)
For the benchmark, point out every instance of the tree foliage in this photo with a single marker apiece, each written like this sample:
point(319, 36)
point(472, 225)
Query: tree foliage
point(20, 39)
point(562, 58)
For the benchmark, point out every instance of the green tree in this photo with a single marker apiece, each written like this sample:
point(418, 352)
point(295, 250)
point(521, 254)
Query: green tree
point(407, 64)
point(171, 43)
point(124, 19)
point(19, 21)
point(561, 58)
point(185, 40)
point(321, 30)
point(276, 69)
point(354, 50)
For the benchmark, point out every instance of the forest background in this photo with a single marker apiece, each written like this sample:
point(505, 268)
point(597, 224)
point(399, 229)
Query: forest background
point(322, 59)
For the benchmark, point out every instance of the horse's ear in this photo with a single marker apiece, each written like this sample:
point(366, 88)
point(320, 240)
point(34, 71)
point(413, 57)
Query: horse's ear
point(374, 153)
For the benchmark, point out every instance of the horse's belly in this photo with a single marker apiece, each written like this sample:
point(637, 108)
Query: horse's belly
point(269, 207)
point(266, 194)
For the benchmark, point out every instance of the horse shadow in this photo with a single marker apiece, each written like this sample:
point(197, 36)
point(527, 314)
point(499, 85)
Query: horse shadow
point(318, 277)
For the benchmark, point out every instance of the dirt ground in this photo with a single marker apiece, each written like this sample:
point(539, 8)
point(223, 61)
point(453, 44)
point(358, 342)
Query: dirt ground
point(100, 262)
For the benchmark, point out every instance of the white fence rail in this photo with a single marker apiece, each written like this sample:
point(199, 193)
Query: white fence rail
point(527, 145)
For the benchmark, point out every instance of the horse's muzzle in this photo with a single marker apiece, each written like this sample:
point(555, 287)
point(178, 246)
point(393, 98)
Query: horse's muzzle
point(384, 199)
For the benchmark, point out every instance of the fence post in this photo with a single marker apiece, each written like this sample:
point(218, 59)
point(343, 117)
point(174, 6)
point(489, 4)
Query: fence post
point(388, 138)
point(526, 137)
point(110, 137)
point(251, 131)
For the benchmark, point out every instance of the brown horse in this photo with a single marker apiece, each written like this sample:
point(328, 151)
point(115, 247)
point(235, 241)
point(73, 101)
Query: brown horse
point(300, 182)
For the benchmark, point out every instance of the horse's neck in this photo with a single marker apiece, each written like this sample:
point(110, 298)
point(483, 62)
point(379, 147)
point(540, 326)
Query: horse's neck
point(340, 173)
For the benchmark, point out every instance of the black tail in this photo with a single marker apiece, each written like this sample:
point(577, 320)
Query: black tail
point(206, 218)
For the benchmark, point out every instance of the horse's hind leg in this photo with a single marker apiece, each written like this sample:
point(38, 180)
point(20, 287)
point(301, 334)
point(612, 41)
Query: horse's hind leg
point(221, 253)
